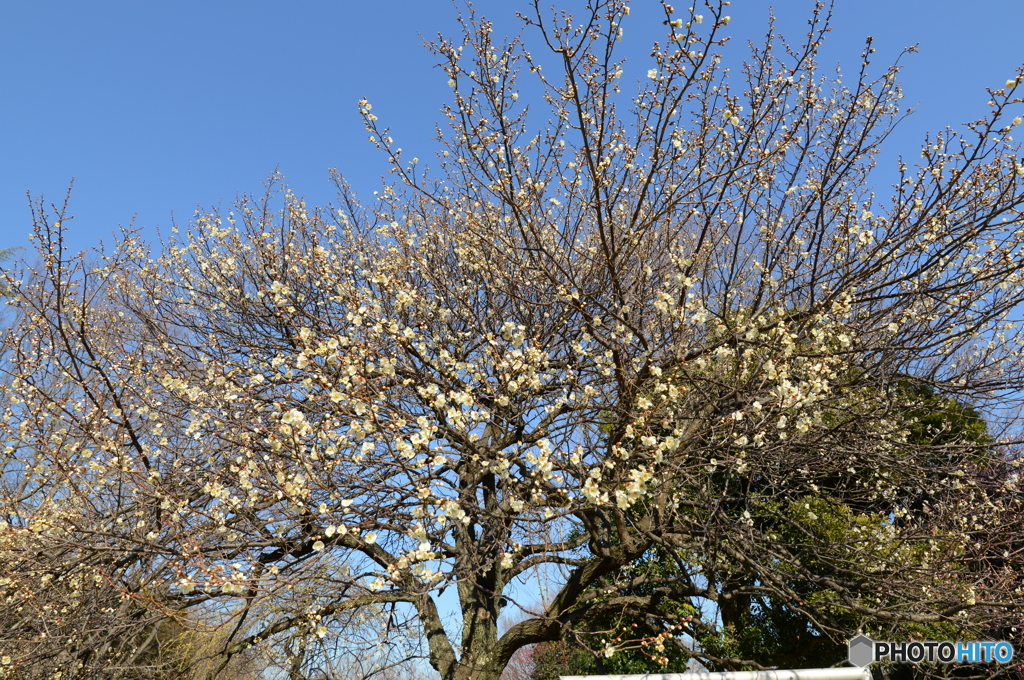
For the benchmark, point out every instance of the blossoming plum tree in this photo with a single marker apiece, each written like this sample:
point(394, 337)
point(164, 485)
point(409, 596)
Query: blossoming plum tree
point(656, 322)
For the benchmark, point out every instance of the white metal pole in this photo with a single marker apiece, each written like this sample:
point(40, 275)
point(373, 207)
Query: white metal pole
point(845, 673)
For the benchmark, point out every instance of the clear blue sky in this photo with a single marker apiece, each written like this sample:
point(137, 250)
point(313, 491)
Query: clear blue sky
point(157, 107)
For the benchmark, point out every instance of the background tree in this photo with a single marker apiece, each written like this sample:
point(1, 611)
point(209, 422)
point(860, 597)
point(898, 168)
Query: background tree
point(755, 626)
point(6, 254)
point(579, 341)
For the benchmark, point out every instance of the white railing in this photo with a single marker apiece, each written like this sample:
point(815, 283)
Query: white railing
point(846, 673)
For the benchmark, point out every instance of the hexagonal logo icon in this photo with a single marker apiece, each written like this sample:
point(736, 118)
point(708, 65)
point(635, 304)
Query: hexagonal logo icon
point(861, 651)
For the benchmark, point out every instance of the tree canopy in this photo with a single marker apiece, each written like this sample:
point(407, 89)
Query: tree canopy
point(756, 625)
point(678, 322)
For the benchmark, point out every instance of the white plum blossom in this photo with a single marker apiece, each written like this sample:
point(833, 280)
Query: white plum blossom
point(687, 346)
